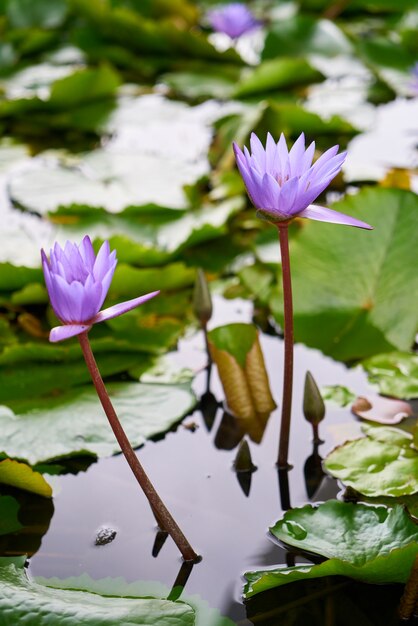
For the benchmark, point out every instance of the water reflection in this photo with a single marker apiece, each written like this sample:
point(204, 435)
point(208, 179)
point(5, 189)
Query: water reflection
point(34, 515)
point(313, 471)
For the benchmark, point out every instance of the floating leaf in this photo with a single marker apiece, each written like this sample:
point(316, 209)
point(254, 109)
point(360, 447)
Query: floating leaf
point(24, 601)
point(339, 394)
point(22, 476)
point(369, 543)
point(280, 73)
point(302, 34)
point(382, 464)
point(352, 310)
point(395, 373)
point(75, 423)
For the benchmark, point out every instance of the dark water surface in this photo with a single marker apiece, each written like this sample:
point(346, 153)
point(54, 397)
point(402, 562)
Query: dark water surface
point(192, 469)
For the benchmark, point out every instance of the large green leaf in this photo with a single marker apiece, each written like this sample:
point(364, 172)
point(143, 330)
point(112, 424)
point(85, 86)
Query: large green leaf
point(275, 74)
point(25, 601)
point(355, 291)
point(382, 464)
point(372, 544)
point(303, 34)
point(75, 423)
point(42, 13)
point(395, 373)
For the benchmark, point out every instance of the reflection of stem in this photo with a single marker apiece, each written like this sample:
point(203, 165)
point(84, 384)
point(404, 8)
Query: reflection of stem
point(181, 580)
point(283, 475)
point(288, 347)
point(159, 509)
point(410, 595)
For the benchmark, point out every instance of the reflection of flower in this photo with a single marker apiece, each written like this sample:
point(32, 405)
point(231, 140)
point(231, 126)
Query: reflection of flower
point(282, 184)
point(77, 283)
point(414, 76)
point(233, 19)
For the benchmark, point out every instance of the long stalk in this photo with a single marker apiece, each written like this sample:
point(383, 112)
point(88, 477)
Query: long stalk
point(163, 516)
point(282, 461)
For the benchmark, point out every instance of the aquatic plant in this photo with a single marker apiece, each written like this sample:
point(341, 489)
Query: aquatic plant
point(282, 184)
point(77, 282)
point(234, 19)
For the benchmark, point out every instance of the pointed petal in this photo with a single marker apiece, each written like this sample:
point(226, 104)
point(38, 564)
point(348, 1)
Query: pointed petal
point(123, 307)
point(270, 154)
point(258, 152)
point(87, 253)
point(296, 156)
point(288, 196)
point(309, 155)
point(323, 214)
point(283, 158)
point(65, 332)
point(270, 194)
point(101, 264)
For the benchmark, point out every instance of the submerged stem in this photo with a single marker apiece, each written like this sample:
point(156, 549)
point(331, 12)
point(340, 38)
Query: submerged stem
point(163, 516)
point(282, 461)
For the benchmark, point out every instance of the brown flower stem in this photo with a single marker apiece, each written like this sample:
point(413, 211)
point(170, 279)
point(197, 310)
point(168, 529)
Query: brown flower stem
point(163, 516)
point(282, 462)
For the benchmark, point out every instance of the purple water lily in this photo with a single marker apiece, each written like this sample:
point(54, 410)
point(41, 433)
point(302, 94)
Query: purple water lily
point(233, 19)
point(78, 281)
point(282, 184)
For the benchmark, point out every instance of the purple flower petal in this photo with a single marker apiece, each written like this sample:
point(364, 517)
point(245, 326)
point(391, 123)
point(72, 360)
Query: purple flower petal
point(323, 214)
point(59, 333)
point(123, 307)
point(284, 184)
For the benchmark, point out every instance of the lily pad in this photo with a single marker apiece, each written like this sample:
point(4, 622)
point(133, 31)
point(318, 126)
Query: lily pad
point(369, 543)
point(355, 291)
point(339, 394)
point(22, 476)
point(75, 423)
point(279, 73)
point(25, 601)
point(394, 373)
point(384, 463)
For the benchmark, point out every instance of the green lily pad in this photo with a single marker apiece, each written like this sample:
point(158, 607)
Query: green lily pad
point(394, 373)
point(369, 543)
point(235, 339)
point(339, 394)
point(9, 509)
point(382, 464)
point(22, 476)
point(357, 308)
point(76, 424)
point(275, 74)
point(302, 34)
point(25, 601)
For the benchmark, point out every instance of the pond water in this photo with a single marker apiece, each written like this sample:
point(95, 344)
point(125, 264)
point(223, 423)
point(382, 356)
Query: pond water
point(192, 468)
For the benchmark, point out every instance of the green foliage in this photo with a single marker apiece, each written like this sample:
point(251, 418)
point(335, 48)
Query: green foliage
point(235, 339)
point(395, 373)
point(382, 464)
point(350, 285)
point(74, 423)
point(38, 605)
point(372, 544)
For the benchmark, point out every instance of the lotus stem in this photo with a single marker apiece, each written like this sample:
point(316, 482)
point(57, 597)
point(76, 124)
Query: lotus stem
point(282, 462)
point(163, 516)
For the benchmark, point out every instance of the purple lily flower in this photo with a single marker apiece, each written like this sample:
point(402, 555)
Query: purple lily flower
point(233, 19)
point(77, 282)
point(282, 184)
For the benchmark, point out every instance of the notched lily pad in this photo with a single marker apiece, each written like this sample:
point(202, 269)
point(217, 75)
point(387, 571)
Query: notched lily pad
point(368, 543)
point(384, 463)
point(34, 604)
point(394, 373)
point(75, 423)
